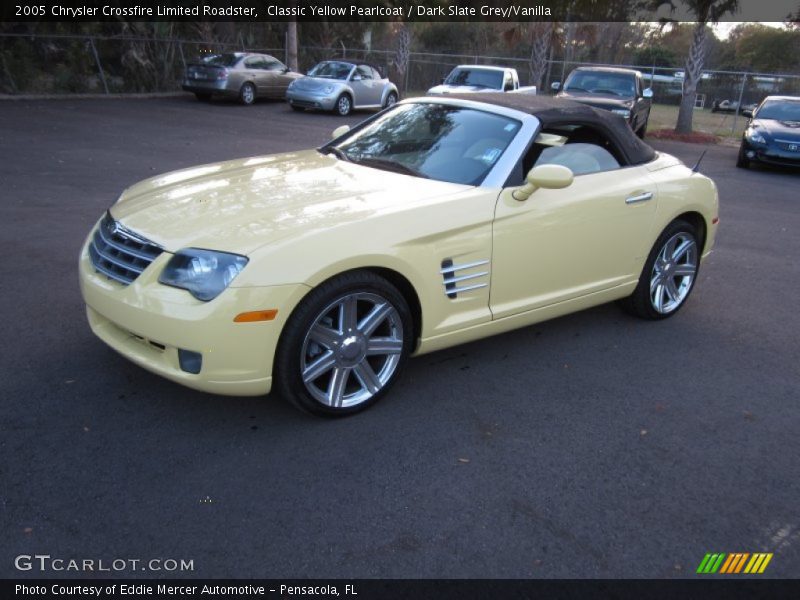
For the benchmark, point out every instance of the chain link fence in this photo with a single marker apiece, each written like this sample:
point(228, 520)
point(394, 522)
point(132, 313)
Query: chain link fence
point(64, 64)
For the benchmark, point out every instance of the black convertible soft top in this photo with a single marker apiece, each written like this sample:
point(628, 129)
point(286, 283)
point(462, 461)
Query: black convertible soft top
point(559, 111)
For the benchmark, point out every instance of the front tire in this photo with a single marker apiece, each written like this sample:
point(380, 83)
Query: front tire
point(297, 108)
point(669, 274)
point(741, 160)
point(642, 131)
point(344, 346)
point(391, 100)
point(344, 105)
point(247, 94)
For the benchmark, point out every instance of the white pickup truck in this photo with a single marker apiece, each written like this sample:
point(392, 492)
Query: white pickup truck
point(465, 79)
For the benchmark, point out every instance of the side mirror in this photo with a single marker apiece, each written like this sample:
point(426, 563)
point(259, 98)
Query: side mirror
point(442, 80)
point(556, 85)
point(552, 177)
point(340, 131)
point(748, 113)
point(647, 93)
point(286, 69)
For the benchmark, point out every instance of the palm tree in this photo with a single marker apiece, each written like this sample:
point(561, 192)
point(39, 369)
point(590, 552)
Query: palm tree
point(705, 12)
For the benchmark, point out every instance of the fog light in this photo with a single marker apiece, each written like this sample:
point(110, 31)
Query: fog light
point(751, 154)
point(191, 362)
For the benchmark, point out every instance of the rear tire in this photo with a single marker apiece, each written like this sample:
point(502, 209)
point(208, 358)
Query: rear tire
point(344, 345)
point(247, 94)
point(669, 274)
point(298, 108)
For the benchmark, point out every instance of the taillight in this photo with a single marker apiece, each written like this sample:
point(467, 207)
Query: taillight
point(223, 74)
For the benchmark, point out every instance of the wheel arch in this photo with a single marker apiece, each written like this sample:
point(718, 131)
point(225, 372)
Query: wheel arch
point(394, 277)
point(698, 221)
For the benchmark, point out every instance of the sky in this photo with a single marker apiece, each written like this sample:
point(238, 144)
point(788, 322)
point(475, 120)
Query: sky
point(723, 29)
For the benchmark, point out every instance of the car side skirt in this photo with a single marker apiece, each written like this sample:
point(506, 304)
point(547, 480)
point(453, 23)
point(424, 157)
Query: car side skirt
point(524, 319)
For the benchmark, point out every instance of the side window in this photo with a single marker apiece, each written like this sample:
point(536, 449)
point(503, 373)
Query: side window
point(254, 62)
point(585, 151)
point(364, 71)
point(376, 74)
point(273, 64)
point(581, 158)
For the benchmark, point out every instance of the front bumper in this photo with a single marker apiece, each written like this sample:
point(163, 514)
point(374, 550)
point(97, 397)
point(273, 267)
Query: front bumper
point(148, 323)
point(319, 101)
point(771, 154)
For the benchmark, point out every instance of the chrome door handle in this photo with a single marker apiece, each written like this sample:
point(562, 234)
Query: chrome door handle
point(639, 198)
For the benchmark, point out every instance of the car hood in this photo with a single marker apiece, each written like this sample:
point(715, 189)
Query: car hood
point(459, 89)
point(607, 102)
point(785, 130)
point(241, 205)
point(314, 84)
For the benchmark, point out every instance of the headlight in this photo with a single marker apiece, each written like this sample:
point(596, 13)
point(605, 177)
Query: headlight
point(753, 136)
point(624, 112)
point(204, 273)
point(328, 89)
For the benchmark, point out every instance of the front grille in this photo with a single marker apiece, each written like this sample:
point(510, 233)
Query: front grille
point(305, 103)
point(120, 254)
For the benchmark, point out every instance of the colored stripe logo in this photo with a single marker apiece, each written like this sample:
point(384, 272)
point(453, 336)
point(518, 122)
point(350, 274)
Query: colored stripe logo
point(733, 563)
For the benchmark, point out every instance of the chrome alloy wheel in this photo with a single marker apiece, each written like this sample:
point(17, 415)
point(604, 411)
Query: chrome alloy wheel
point(673, 273)
point(343, 105)
point(248, 93)
point(351, 350)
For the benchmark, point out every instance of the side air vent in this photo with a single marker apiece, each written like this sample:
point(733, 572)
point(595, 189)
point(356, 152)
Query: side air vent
point(453, 275)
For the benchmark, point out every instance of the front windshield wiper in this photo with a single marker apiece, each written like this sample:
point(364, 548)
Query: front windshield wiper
point(337, 152)
point(390, 165)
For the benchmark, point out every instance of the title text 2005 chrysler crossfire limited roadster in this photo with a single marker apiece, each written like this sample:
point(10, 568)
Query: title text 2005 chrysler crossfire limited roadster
point(435, 222)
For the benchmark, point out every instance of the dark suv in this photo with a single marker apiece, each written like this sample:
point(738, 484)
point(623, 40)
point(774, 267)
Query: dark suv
point(619, 90)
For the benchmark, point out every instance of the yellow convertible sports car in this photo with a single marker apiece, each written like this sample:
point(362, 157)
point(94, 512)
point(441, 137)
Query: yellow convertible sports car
point(435, 222)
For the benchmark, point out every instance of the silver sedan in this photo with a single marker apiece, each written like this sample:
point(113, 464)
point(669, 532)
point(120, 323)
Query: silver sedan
point(242, 75)
point(342, 87)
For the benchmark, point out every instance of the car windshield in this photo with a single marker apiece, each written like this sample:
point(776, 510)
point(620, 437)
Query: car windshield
point(601, 82)
point(484, 78)
point(331, 70)
point(220, 60)
point(436, 141)
point(779, 110)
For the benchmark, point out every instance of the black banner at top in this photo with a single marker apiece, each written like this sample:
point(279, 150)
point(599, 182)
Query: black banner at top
point(374, 10)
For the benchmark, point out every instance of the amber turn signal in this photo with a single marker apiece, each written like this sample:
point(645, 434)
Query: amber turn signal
point(256, 315)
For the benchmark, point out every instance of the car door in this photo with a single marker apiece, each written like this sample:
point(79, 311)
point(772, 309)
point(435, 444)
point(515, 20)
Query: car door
point(562, 244)
point(276, 78)
point(254, 71)
point(642, 107)
point(364, 86)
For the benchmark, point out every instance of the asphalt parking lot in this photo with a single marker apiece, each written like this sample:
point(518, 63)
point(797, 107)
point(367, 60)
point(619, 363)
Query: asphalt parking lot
point(595, 445)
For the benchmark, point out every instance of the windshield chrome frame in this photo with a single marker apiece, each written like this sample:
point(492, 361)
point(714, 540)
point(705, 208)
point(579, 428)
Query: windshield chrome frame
point(499, 174)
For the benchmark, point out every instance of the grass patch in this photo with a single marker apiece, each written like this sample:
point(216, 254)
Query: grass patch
point(664, 117)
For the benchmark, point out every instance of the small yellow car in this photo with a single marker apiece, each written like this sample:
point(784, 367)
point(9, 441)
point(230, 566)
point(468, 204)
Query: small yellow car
point(435, 222)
